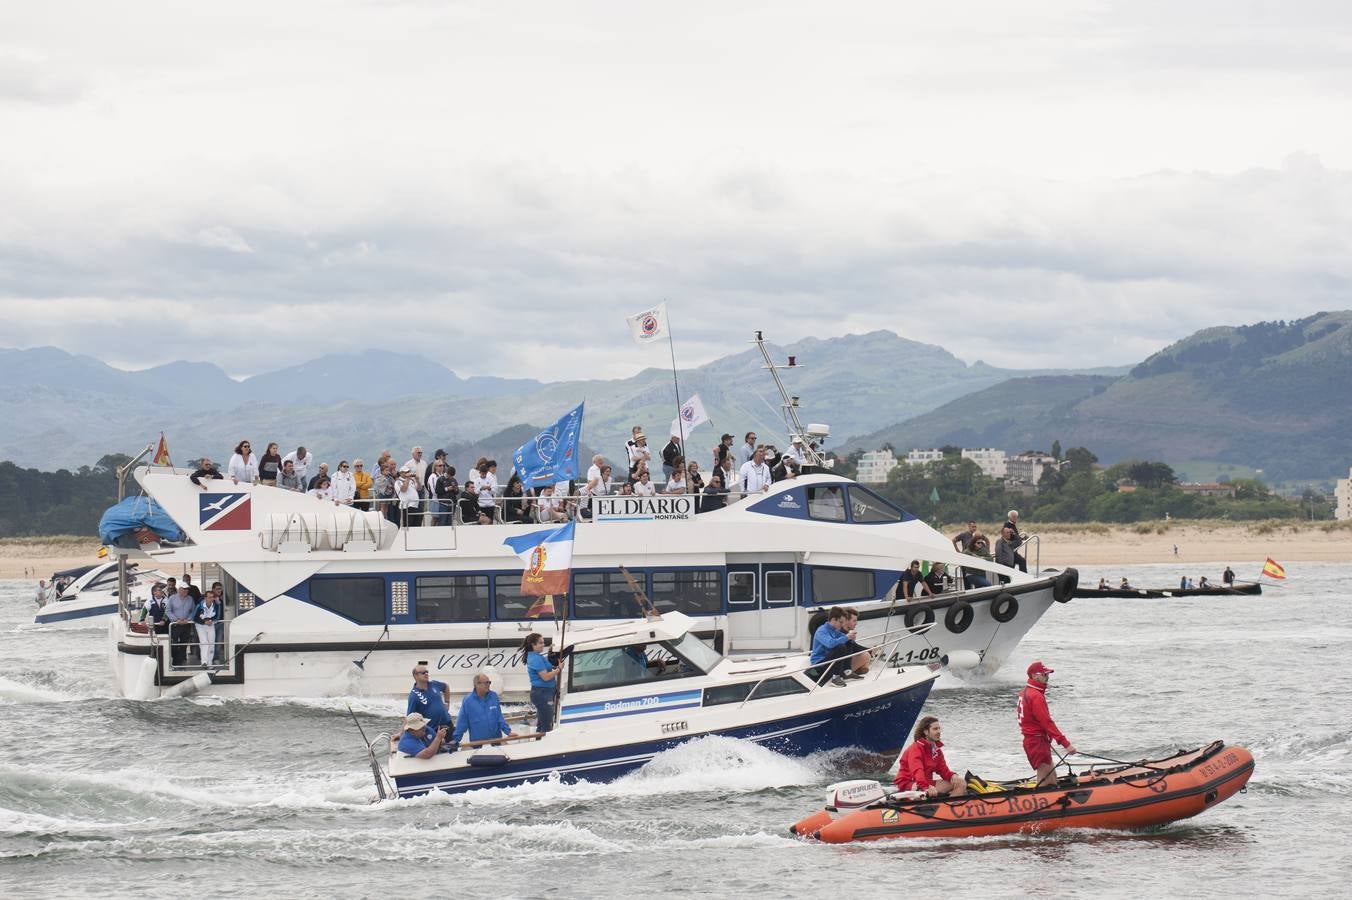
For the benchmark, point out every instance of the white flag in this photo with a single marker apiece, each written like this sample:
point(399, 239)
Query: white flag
point(648, 325)
point(692, 414)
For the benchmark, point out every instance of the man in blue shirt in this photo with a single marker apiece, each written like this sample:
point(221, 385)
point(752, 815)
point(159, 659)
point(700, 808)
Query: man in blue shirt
point(419, 740)
point(481, 714)
point(431, 698)
point(834, 642)
point(180, 609)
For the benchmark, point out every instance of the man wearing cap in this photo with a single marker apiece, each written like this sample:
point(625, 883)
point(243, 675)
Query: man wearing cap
point(796, 451)
point(481, 713)
point(1035, 721)
point(419, 740)
point(429, 698)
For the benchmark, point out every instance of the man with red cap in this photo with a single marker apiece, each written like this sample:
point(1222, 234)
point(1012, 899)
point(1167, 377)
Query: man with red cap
point(1037, 726)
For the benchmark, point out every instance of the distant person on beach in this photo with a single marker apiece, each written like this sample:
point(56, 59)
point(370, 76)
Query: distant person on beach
point(1035, 721)
point(923, 767)
point(1175, 549)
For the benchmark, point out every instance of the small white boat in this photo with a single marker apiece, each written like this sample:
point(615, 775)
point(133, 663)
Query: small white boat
point(92, 597)
point(614, 715)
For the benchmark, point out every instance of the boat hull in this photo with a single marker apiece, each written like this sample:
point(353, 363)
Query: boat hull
point(874, 724)
point(1168, 790)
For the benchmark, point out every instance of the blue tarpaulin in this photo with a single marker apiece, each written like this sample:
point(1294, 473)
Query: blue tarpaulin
point(133, 513)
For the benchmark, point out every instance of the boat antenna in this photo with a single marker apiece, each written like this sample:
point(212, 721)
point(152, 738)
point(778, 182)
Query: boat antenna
point(645, 605)
point(789, 403)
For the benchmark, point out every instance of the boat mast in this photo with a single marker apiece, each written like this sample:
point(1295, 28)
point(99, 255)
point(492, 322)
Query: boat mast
point(788, 402)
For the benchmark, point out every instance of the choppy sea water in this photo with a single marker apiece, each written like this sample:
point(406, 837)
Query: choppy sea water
point(206, 798)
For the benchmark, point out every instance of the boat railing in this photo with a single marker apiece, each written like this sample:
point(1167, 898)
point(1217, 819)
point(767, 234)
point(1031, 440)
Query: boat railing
point(775, 672)
point(1036, 541)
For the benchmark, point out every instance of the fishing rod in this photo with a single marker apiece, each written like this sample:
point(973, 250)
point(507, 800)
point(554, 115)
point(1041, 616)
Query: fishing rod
point(376, 772)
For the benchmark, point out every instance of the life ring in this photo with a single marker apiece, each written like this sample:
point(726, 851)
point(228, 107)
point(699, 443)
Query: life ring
point(913, 614)
point(1063, 588)
point(1004, 607)
point(959, 617)
point(818, 618)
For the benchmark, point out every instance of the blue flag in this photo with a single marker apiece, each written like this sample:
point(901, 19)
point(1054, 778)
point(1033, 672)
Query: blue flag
point(552, 454)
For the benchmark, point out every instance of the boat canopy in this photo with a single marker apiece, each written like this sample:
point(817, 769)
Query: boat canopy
point(133, 513)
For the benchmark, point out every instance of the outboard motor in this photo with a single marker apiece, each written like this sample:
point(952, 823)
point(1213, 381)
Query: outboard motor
point(847, 795)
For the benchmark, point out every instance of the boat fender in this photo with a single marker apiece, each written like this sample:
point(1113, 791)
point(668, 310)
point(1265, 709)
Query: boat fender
point(490, 760)
point(1004, 607)
point(959, 617)
point(188, 686)
point(919, 617)
point(1063, 588)
point(817, 620)
point(962, 659)
point(145, 680)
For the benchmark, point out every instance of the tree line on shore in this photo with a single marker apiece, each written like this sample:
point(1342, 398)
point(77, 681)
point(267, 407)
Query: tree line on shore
point(954, 489)
point(36, 503)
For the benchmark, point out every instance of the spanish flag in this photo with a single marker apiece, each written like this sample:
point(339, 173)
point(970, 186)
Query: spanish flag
point(1273, 569)
point(162, 453)
point(542, 607)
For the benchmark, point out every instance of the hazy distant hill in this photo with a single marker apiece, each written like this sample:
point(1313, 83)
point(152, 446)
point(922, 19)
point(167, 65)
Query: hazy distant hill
point(64, 410)
point(1271, 396)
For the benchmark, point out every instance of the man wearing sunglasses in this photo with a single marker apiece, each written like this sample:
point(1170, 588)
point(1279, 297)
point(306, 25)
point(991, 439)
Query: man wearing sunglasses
point(430, 698)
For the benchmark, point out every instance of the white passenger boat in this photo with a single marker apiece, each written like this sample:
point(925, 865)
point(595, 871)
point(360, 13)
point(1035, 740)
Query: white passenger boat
point(325, 600)
point(614, 715)
point(91, 599)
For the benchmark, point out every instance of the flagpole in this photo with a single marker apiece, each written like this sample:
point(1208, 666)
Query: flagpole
point(680, 422)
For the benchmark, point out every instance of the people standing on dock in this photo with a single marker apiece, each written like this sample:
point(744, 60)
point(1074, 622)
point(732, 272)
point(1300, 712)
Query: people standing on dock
point(922, 766)
point(1035, 721)
point(481, 713)
point(543, 680)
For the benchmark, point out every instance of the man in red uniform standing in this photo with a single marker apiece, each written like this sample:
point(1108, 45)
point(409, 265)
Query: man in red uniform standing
point(1035, 721)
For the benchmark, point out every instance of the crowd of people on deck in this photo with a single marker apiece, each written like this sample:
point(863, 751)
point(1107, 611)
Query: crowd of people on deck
point(191, 618)
point(432, 491)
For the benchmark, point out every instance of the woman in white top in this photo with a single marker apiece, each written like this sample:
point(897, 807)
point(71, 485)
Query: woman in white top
point(644, 486)
point(343, 487)
point(244, 464)
point(406, 490)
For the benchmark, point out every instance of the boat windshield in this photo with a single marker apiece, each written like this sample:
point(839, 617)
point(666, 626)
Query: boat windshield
point(695, 652)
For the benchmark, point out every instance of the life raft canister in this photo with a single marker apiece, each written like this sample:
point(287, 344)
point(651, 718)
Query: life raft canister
point(1004, 607)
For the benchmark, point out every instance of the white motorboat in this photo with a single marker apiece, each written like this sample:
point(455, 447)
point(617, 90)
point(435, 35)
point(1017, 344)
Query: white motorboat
point(614, 715)
point(91, 599)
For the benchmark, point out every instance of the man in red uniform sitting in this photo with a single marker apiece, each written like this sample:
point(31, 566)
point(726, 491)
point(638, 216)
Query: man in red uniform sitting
point(923, 767)
point(1037, 726)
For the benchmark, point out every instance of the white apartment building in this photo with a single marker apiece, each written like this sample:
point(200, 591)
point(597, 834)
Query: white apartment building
point(874, 466)
point(920, 457)
point(992, 462)
point(1026, 468)
point(1343, 494)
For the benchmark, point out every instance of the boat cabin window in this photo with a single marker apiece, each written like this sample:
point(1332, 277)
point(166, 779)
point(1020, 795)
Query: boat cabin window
point(778, 588)
point(826, 502)
point(508, 601)
point(867, 508)
point(736, 693)
point(360, 599)
point(741, 588)
point(603, 595)
point(694, 591)
point(831, 586)
point(451, 598)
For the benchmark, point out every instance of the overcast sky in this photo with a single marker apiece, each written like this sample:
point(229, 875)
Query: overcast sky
point(496, 185)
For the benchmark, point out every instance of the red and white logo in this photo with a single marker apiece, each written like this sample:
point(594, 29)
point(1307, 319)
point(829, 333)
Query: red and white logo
point(225, 512)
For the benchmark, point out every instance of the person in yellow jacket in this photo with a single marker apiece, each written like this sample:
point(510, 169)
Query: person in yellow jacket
point(363, 482)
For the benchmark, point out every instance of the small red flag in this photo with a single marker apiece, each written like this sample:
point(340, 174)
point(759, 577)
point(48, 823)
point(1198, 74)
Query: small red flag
point(1273, 569)
point(162, 453)
point(541, 607)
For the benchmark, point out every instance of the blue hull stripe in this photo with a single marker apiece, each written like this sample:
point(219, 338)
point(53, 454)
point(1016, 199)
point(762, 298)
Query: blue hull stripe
point(634, 712)
point(877, 724)
point(46, 618)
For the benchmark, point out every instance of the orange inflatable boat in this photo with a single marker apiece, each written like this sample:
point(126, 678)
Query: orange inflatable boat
point(1151, 792)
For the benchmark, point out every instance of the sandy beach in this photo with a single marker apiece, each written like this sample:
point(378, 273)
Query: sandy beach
point(1243, 546)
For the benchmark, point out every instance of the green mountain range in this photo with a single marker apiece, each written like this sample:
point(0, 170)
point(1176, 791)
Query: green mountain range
point(1270, 396)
